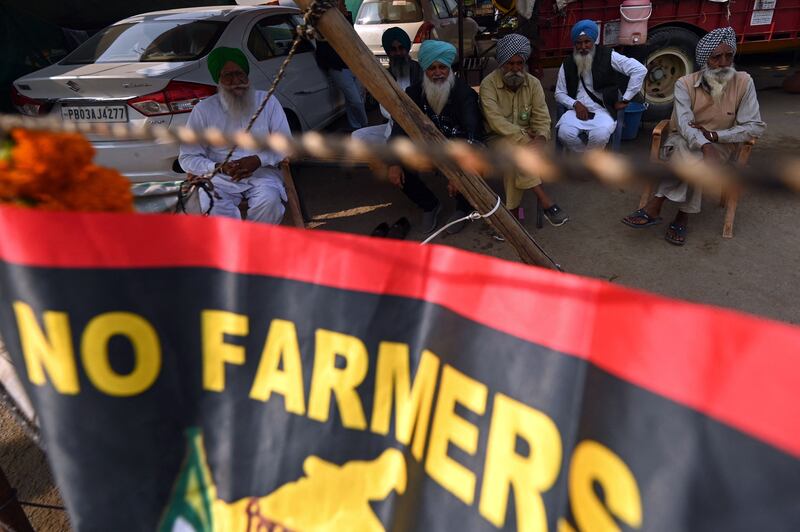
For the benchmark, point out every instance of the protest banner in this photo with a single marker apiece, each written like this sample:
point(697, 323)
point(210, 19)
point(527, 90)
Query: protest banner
point(194, 373)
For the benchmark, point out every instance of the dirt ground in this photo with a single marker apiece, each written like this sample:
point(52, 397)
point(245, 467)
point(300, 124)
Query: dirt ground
point(755, 272)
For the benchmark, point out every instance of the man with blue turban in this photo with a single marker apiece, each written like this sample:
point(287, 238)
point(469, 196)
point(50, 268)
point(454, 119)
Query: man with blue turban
point(593, 84)
point(715, 110)
point(515, 110)
point(453, 108)
point(251, 174)
point(405, 72)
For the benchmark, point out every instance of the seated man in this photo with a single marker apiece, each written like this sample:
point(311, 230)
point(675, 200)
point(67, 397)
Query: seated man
point(249, 175)
point(453, 108)
point(589, 85)
point(405, 72)
point(515, 110)
point(715, 109)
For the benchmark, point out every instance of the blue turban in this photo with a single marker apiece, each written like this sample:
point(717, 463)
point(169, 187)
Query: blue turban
point(221, 55)
point(436, 51)
point(395, 34)
point(585, 27)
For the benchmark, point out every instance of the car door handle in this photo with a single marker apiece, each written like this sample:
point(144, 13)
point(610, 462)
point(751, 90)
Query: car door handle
point(311, 91)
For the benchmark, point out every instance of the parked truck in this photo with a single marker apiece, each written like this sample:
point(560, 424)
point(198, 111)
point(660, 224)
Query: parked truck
point(668, 32)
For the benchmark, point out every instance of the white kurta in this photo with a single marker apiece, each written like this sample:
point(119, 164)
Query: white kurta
point(263, 190)
point(602, 126)
point(380, 134)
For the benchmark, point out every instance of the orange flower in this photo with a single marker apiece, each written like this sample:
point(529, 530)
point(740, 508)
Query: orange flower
point(55, 172)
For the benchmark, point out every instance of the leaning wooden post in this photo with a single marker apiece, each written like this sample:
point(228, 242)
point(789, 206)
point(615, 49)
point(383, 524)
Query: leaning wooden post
point(12, 517)
point(341, 35)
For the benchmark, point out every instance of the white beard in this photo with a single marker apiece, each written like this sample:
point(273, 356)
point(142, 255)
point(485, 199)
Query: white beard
point(437, 94)
point(238, 107)
point(583, 62)
point(717, 79)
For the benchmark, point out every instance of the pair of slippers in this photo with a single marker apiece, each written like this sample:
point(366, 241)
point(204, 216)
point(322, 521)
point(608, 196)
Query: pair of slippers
point(676, 234)
point(398, 230)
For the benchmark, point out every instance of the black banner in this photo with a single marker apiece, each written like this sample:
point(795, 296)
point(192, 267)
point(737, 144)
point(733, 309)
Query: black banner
point(277, 379)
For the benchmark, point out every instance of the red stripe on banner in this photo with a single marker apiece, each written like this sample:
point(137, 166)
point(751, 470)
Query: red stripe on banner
point(741, 370)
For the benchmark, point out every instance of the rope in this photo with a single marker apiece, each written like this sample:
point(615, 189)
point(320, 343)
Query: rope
point(607, 167)
point(473, 216)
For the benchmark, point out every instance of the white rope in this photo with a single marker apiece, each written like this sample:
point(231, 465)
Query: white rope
point(473, 216)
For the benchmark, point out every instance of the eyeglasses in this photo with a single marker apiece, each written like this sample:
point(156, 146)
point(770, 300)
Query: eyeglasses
point(398, 48)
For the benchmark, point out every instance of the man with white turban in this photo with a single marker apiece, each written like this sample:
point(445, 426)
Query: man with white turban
point(251, 174)
point(715, 110)
point(515, 110)
point(453, 108)
point(593, 84)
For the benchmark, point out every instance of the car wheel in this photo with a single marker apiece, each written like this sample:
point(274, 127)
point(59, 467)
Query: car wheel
point(671, 59)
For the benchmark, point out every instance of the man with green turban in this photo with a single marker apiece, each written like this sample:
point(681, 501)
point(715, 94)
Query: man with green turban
point(251, 174)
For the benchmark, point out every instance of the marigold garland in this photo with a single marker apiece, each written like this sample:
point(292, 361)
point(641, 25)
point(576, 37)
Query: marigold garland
point(54, 171)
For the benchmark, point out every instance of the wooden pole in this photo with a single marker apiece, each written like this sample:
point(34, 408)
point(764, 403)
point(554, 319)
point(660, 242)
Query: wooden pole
point(12, 516)
point(341, 35)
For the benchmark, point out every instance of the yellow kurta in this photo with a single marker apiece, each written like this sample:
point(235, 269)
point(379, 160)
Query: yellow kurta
point(511, 115)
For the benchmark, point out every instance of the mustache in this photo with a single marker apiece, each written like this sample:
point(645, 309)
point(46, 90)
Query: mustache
point(234, 87)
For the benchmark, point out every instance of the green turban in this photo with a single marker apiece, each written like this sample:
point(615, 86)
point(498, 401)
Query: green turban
point(221, 55)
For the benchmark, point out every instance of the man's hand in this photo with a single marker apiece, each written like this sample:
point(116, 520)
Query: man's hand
point(396, 176)
point(620, 105)
point(244, 167)
point(710, 136)
point(537, 141)
point(710, 154)
point(581, 111)
point(452, 189)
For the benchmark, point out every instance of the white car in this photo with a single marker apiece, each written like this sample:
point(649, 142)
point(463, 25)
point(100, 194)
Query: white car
point(152, 69)
point(421, 20)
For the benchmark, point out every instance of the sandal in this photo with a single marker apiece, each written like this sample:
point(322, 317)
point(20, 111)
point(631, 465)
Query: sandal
point(641, 213)
point(676, 234)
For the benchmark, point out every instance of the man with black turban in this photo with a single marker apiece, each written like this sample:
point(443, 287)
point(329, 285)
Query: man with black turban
point(250, 175)
point(404, 70)
point(715, 109)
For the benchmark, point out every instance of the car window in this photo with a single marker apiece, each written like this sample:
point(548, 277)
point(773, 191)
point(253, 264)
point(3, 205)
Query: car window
point(389, 12)
point(149, 41)
point(445, 8)
point(273, 37)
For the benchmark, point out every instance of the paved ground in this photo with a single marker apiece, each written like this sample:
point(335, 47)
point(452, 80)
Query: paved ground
point(755, 272)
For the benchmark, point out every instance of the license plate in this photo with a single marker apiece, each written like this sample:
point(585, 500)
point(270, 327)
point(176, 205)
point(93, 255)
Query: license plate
point(95, 113)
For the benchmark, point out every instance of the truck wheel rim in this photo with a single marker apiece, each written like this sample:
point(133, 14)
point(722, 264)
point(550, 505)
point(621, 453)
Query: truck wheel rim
point(664, 68)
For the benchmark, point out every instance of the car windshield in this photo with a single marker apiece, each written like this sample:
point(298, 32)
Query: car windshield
point(148, 41)
point(389, 12)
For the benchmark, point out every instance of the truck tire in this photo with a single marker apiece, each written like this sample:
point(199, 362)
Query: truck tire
point(671, 57)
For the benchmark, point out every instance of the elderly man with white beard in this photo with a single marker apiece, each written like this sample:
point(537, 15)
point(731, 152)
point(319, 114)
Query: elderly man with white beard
point(593, 84)
point(453, 108)
point(715, 109)
point(250, 175)
point(514, 105)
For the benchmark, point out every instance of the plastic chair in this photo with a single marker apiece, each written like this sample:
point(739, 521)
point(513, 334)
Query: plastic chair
point(729, 198)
